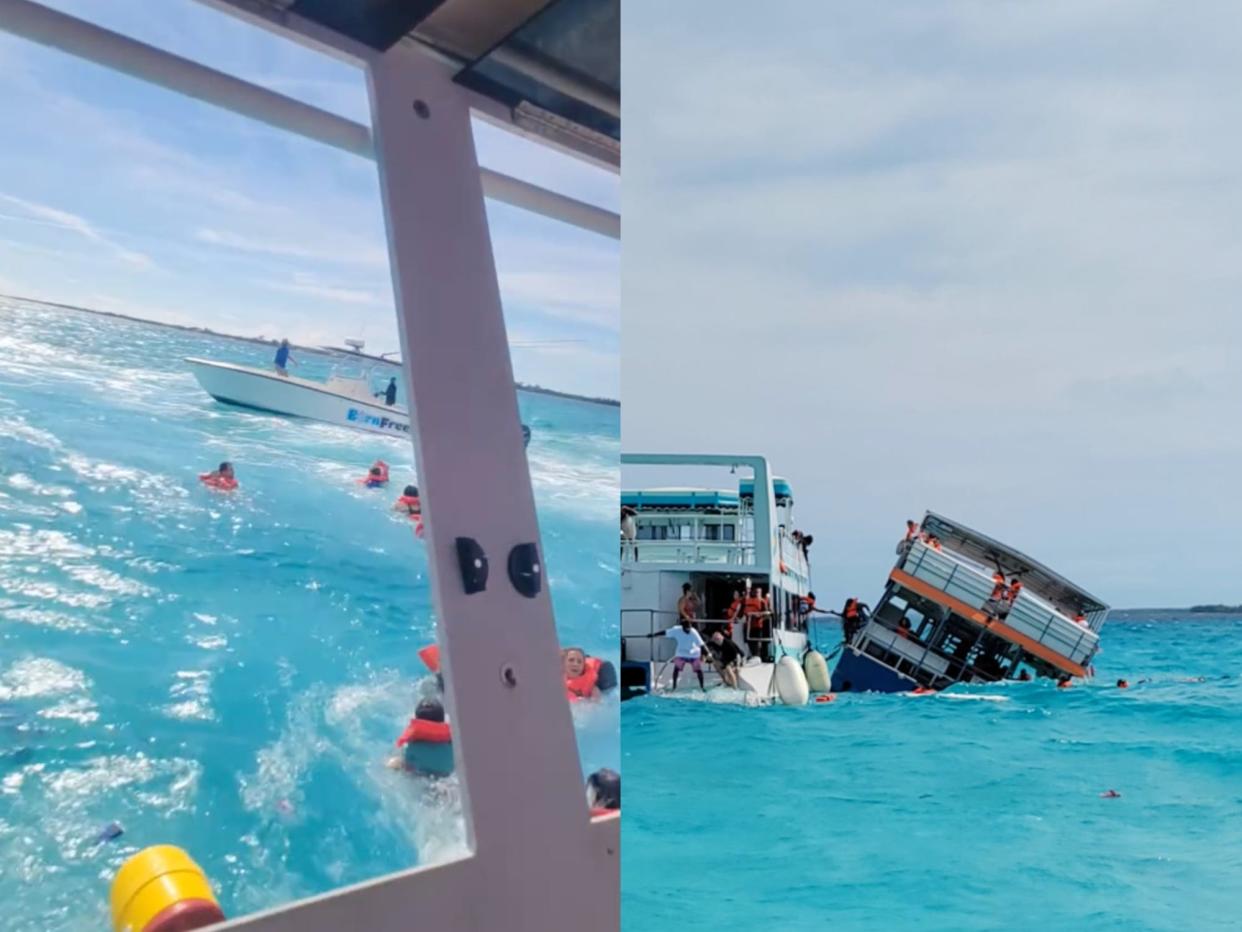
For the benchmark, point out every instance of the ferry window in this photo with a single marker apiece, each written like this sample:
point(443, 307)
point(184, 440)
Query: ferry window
point(711, 532)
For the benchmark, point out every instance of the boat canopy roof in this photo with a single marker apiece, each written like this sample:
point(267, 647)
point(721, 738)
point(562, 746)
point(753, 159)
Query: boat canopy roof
point(780, 488)
point(556, 64)
point(679, 498)
point(1034, 575)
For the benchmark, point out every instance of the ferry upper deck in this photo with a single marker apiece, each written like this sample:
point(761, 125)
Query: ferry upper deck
point(711, 529)
point(938, 621)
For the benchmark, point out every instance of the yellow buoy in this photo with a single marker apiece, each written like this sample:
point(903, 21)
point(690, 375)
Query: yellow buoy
point(161, 888)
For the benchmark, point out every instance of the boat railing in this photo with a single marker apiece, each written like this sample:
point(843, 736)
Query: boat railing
point(1029, 615)
point(794, 559)
point(639, 630)
point(716, 552)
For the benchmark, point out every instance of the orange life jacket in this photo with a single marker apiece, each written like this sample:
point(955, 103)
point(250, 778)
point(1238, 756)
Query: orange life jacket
point(597, 811)
point(851, 610)
point(998, 589)
point(420, 730)
point(430, 655)
point(582, 685)
point(1080, 619)
point(753, 605)
point(1014, 590)
point(734, 607)
point(217, 481)
point(411, 503)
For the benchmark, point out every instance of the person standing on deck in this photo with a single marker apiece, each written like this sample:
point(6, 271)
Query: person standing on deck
point(629, 531)
point(389, 393)
point(688, 604)
point(283, 359)
point(689, 650)
point(756, 612)
point(995, 604)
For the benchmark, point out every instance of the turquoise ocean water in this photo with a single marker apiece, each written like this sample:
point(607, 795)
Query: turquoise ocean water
point(228, 673)
point(881, 812)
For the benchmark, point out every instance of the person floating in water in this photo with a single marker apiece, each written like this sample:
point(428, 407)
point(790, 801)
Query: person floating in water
point(222, 478)
point(409, 502)
point(603, 792)
point(1065, 681)
point(377, 475)
point(410, 505)
point(426, 743)
point(581, 674)
point(283, 359)
point(389, 394)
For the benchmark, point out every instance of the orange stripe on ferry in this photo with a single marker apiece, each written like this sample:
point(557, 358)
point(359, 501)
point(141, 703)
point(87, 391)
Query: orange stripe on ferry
point(958, 607)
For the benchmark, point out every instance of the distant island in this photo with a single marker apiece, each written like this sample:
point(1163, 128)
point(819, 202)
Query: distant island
point(1216, 609)
point(268, 341)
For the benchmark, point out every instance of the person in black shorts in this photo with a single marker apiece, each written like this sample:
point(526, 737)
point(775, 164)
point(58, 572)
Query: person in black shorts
point(727, 657)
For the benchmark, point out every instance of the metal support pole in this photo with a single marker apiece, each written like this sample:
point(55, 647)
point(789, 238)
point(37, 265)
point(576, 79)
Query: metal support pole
point(502, 659)
point(93, 43)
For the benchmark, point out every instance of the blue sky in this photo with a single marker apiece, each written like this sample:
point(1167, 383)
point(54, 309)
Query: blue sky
point(975, 257)
point(125, 197)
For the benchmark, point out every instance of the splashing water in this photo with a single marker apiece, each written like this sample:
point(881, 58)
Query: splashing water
point(222, 673)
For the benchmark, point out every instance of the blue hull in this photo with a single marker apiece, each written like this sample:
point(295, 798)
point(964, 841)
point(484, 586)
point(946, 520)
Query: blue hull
point(865, 675)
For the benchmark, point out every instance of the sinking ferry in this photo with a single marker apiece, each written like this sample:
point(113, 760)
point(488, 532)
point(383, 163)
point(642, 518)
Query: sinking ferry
point(950, 614)
point(722, 542)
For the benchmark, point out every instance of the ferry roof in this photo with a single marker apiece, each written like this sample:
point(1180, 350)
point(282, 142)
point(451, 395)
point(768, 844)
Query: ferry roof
point(679, 498)
point(780, 488)
point(983, 549)
point(556, 64)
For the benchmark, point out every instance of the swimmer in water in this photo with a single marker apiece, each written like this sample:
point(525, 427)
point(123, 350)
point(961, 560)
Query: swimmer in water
point(427, 742)
point(1122, 684)
point(221, 478)
point(1064, 681)
point(581, 678)
point(409, 502)
point(603, 791)
point(377, 475)
point(1024, 676)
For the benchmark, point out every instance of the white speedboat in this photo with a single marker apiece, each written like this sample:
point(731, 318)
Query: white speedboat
point(343, 400)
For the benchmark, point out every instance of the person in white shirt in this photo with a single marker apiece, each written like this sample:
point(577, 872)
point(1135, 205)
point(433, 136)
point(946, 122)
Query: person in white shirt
point(689, 650)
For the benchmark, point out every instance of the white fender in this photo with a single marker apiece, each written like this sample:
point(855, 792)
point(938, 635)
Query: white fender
point(791, 684)
point(816, 668)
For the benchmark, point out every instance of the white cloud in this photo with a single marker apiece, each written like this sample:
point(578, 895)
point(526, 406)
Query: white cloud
point(310, 286)
point(950, 255)
point(75, 224)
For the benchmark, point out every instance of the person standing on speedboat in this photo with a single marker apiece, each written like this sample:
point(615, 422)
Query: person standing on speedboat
point(282, 360)
point(389, 393)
